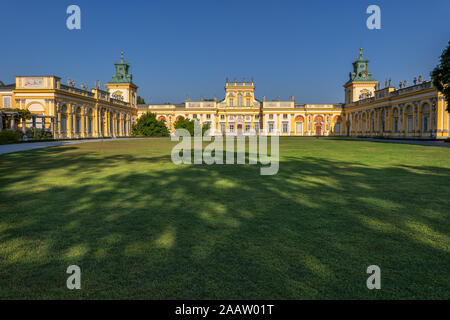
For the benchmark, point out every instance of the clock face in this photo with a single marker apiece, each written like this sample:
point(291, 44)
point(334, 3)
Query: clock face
point(363, 74)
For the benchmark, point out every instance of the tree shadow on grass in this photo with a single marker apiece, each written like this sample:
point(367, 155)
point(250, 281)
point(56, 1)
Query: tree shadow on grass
point(141, 227)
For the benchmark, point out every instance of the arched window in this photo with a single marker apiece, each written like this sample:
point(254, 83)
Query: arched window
point(409, 119)
point(63, 119)
point(364, 123)
point(78, 121)
point(364, 94)
point(395, 124)
point(90, 121)
point(426, 118)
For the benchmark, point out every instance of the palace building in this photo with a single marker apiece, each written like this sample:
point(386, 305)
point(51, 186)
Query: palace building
point(239, 112)
point(70, 112)
point(417, 111)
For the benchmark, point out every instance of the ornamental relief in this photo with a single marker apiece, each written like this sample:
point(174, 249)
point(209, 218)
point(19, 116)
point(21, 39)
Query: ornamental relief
point(34, 82)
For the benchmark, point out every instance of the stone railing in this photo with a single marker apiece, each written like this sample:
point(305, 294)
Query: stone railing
point(101, 95)
point(77, 91)
point(382, 94)
point(239, 84)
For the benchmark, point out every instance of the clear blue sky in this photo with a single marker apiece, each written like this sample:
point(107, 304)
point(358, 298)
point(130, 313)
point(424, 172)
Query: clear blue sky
point(179, 48)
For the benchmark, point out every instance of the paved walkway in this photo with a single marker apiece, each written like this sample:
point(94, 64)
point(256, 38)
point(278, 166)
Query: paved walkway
point(432, 143)
point(9, 148)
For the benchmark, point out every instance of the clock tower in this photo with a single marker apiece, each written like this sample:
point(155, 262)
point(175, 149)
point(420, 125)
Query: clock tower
point(121, 85)
point(361, 84)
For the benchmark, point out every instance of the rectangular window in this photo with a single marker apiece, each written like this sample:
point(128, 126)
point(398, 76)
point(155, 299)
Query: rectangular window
point(208, 116)
point(222, 127)
point(231, 127)
point(285, 127)
point(7, 102)
point(78, 125)
point(256, 126)
point(337, 128)
point(222, 117)
point(248, 102)
point(270, 126)
point(231, 102)
point(425, 124)
point(247, 127)
point(194, 116)
point(409, 124)
point(285, 116)
point(63, 123)
point(270, 116)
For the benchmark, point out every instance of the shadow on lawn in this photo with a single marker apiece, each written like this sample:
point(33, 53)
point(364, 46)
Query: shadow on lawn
point(222, 231)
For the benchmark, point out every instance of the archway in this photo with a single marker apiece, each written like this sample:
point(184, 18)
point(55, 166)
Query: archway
point(318, 120)
point(318, 129)
point(337, 125)
point(299, 124)
point(426, 116)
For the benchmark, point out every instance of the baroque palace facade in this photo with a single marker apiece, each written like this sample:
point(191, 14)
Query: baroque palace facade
point(417, 111)
point(70, 112)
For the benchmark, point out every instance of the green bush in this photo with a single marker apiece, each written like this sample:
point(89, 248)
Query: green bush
point(10, 136)
point(38, 134)
point(149, 126)
point(189, 125)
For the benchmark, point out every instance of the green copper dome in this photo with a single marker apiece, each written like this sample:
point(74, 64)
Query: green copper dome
point(122, 69)
point(360, 72)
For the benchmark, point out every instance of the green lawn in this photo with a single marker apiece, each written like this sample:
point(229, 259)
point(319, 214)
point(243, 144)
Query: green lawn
point(141, 227)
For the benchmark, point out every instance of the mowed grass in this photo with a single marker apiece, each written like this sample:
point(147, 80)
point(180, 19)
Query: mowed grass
point(141, 227)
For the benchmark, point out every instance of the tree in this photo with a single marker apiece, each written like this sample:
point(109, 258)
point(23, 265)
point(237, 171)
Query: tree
point(149, 126)
point(140, 100)
point(189, 125)
point(441, 75)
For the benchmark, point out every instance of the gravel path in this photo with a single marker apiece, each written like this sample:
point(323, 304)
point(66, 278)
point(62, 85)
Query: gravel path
point(9, 148)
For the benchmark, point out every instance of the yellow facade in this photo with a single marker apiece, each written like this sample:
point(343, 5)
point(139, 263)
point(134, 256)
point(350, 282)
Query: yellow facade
point(70, 112)
point(417, 111)
point(239, 112)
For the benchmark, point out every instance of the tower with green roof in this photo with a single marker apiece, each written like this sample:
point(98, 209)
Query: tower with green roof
point(121, 85)
point(361, 84)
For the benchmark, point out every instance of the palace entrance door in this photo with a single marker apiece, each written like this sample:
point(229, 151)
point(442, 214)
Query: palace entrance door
point(239, 129)
point(299, 128)
point(318, 130)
